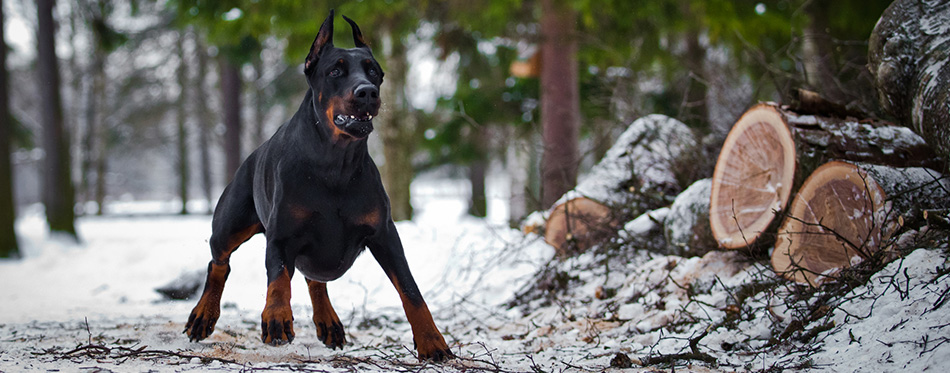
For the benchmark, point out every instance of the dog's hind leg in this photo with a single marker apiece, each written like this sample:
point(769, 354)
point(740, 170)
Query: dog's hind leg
point(235, 221)
point(329, 327)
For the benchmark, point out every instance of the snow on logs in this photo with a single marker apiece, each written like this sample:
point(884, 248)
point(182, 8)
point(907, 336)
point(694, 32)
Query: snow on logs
point(845, 212)
point(638, 171)
point(907, 55)
point(771, 150)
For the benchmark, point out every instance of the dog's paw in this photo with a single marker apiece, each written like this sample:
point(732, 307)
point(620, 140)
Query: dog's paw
point(277, 325)
point(433, 348)
point(331, 333)
point(201, 321)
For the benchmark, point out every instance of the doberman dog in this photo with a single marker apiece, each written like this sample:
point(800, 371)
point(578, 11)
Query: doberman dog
point(316, 194)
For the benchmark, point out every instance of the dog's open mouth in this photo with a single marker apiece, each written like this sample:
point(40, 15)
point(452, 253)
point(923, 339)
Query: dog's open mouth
point(341, 119)
point(359, 125)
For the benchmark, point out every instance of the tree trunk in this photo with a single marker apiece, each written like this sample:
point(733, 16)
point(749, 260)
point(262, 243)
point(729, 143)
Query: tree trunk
point(231, 101)
point(8, 241)
point(845, 212)
point(183, 169)
point(478, 206)
point(94, 138)
point(397, 130)
point(907, 56)
point(257, 95)
point(205, 122)
point(102, 162)
point(517, 160)
point(818, 52)
point(560, 101)
point(771, 150)
point(58, 185)
point(694, 111)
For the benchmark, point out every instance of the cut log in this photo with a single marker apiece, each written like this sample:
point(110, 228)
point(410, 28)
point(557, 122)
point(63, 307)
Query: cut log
point(577, 225)
point(685, 227)
point(907, 55)
point(845, 212)
point(771, 150)
point(639, 173)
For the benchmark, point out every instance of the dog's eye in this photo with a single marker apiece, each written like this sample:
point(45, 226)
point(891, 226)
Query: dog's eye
point(335, 73)
point(372, 73)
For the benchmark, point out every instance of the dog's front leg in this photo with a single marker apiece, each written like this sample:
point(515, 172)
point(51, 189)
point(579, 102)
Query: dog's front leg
point(277, 320)
point(388, 251)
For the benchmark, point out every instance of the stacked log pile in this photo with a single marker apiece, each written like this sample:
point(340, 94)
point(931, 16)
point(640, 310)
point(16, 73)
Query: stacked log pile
point(821, 185)
point(852, 181)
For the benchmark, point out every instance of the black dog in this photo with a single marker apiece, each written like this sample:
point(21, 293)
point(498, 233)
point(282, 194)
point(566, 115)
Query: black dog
point(316, 194)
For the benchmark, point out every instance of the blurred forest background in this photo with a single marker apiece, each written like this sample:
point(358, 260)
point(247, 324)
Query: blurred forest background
point(110, 101)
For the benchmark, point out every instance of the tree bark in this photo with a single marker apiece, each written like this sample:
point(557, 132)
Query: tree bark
point(182, 116)
point(8, 240)
point(907, 55)
point(58, 184)
point(846, 212)
point(231, 101)
point(560, 101)
point(771, 150)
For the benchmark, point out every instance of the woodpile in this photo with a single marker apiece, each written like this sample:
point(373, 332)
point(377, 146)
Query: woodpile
point(820, 183)
point(854, 179)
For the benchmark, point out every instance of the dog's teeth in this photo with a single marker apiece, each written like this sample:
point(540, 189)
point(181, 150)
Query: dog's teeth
point(370, 117)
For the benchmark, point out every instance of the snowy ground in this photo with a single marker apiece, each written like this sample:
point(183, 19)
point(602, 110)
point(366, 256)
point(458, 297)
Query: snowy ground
point(68, 307)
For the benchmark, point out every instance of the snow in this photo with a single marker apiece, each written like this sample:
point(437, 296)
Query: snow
point(896, 322)
point(687, 210)
point(481, 280)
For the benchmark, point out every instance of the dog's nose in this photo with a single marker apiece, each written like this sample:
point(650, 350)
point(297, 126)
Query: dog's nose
point(367, 92)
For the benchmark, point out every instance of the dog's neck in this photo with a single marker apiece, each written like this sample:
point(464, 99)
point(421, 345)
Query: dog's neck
point(343, 155)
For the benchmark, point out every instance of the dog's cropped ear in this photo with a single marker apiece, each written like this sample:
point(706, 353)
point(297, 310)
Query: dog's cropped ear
point(357, 34)
point(324, 39)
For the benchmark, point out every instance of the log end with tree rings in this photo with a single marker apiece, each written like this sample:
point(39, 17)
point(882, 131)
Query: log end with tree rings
point(753, 178)
point(577, 225)
point(837, 219)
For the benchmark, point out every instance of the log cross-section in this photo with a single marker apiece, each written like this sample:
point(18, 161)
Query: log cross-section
point(753, 177)
point(834, 220)
point(845, 212)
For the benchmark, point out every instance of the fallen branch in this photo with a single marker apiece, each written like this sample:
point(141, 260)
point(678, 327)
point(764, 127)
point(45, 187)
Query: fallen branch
point(119, 352)
point(673, 358)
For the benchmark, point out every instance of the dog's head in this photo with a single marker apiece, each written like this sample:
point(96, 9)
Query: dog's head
point(345, 82)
